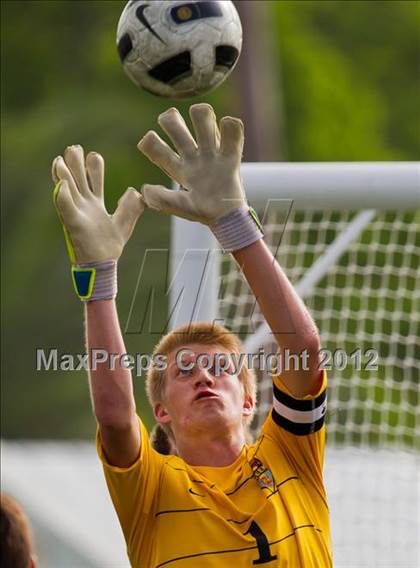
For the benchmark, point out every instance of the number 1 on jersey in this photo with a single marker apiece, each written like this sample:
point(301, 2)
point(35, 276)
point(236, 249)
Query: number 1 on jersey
point(262, 544)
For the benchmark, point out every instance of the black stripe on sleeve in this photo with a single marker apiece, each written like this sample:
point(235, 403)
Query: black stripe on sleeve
point(302, 405)
point(296, 428)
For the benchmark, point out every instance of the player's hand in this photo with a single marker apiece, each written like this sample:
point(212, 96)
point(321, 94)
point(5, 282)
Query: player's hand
point(206, 168)
point(93, 236)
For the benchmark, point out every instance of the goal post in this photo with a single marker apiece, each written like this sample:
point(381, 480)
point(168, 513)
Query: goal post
point(348, 237)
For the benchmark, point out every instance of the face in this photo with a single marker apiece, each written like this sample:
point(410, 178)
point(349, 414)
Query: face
point(202, 391)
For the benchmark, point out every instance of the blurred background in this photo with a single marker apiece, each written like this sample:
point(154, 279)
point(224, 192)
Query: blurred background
point(317, 81)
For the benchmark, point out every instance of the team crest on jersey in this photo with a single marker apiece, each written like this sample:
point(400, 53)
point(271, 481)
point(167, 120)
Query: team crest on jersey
point(263, 475)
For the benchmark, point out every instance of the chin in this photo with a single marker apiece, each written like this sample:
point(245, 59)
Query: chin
point(215, 418)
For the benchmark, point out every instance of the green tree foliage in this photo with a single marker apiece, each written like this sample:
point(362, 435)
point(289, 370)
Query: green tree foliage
point(350, 78)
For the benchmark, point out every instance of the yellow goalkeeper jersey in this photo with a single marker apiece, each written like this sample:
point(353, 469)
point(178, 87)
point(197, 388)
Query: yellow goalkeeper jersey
point(267, 508)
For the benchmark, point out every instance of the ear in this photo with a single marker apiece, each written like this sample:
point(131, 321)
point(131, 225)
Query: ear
point(161, 414)
point(248, 406)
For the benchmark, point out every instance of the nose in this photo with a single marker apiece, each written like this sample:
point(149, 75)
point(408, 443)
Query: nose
point(203, 378)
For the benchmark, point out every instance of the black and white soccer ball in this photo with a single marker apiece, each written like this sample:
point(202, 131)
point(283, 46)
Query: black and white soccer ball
point(179, 49)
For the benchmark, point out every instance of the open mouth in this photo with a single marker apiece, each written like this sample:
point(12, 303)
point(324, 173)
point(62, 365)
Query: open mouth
point(203, 395)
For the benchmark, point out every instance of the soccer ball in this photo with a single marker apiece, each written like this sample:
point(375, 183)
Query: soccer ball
point(179, 49)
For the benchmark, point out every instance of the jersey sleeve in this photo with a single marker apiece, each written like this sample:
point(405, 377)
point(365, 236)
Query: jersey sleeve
point(297, 426)
point(133, 490)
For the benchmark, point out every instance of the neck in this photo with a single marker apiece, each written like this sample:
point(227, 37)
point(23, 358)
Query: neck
point(208, 449)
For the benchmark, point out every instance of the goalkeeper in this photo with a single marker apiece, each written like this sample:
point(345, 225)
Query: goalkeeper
point(207, 498)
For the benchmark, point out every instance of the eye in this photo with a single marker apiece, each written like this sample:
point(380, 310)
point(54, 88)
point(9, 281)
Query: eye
point(184, 372)
point(226, 366)
point(212, 371)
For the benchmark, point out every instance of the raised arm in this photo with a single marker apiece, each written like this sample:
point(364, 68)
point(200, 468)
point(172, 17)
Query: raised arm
point(286, 314)
point(111, 389)
point(95, 241)
point(207, 169)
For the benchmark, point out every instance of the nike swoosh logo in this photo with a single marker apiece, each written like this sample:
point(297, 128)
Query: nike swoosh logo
point(140, 14)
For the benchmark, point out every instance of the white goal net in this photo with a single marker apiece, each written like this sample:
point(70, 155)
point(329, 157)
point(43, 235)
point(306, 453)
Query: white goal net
point(366, 307)
point(358, 272)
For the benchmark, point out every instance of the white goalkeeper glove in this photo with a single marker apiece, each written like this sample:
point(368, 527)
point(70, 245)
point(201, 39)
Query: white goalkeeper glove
point(208, 172)
point(95, 239)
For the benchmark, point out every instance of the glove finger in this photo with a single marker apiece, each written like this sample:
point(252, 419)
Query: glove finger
point(205, 127)
point(64, 203)
point(130, 207)
point(158, 152)
point(167, 200)
point(95, 167)
point(232, 136)
point(61, 173)
point(75, 159)
point(54, 175)
point(174, 125)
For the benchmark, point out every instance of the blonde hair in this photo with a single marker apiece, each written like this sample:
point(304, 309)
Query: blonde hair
point(204, 333)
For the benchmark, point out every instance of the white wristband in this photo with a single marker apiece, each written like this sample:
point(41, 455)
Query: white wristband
point(238, 229)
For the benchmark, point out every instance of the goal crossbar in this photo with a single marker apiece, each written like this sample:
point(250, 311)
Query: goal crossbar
point(335, 185)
